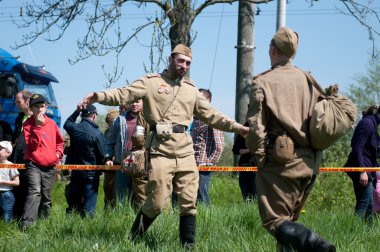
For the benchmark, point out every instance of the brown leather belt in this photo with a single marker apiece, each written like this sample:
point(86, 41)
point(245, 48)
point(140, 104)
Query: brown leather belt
point(176, 128)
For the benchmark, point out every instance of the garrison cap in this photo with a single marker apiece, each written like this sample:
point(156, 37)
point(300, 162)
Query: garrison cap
point(286, 41)
point(182, 49)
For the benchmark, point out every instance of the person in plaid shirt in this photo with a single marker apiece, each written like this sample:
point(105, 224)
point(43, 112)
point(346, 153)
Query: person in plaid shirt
point(208, 147)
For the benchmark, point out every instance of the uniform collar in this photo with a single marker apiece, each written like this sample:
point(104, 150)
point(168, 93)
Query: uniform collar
point(166, 74)
point(281, 64)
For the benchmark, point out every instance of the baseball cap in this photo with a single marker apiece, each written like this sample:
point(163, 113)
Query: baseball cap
point(37, 98)
point(6, 145)
point(182, 49)
point(90, 109)
point(286, 41)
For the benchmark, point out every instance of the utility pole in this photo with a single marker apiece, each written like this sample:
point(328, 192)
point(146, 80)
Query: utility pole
point(281, 14)
point(244, 66)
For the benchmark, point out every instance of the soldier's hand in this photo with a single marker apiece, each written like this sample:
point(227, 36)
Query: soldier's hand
point(89, 99)
point(109, 162)
point(243, 131)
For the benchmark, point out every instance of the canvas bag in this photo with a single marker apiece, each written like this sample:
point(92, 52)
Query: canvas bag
point(332, 116)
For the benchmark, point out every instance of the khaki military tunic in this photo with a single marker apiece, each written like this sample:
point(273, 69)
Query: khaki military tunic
point(282, 100)
point(172, 160)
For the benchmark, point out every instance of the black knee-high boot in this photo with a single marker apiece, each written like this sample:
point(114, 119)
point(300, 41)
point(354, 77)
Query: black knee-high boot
point(187, 225)
point(140, 225)
point(300, 238)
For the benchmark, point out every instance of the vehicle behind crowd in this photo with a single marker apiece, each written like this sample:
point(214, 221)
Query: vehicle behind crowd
point(16, 76)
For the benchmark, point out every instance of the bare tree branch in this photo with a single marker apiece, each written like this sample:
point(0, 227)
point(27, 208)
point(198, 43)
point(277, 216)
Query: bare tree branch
point(107, 33)
point(363, 14)
point(58, 15)
point(212, 2)
point(163, 5)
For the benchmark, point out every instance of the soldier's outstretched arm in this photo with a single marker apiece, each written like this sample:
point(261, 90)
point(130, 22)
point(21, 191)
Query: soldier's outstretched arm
point(119, 96)
point(212, 117)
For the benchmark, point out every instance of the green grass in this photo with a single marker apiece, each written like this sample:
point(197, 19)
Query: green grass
point(229, 225)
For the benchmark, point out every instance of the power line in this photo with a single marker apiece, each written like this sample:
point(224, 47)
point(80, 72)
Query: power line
point(216, 48)
point(4, 16)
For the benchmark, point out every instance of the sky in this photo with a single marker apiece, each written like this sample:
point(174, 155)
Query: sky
point(333, 46)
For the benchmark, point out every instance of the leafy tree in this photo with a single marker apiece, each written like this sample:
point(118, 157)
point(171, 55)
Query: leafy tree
point(101, 122)
point(365, 91)
point(336, 155)
point(227, 156)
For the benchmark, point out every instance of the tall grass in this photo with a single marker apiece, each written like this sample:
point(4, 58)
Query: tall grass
point(228, 225)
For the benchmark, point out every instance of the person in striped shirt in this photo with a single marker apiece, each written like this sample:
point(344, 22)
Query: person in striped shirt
point(208, 147)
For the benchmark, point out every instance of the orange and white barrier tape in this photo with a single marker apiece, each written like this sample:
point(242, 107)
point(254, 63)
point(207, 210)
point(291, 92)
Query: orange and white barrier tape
point(201, 168)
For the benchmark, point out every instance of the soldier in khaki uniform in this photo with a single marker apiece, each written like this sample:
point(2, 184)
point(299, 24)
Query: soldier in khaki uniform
point(169, 97)
point(281, 102)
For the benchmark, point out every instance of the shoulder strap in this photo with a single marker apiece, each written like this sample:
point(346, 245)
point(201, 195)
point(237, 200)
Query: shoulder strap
point(312, 81)
point(153, 75)
point(189, 82)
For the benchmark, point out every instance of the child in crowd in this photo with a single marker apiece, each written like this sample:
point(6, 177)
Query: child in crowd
point(44, 150)
point(8, 179)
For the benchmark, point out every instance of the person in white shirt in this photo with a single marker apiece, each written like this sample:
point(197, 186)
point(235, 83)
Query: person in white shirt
point(8, 179)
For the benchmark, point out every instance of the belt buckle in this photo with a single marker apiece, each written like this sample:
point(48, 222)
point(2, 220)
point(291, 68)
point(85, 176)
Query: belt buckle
point(178, 129)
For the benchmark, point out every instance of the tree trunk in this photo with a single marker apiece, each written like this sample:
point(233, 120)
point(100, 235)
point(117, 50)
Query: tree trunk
point(180, 20)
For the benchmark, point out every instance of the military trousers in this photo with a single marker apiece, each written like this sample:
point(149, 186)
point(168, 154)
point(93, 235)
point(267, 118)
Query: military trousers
point(109, 189)
point(282, 189)
point(167, 174)
point(138, 190)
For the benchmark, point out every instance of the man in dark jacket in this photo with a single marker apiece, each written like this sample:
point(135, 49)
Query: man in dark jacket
point(86, 147)
point(18, 141)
